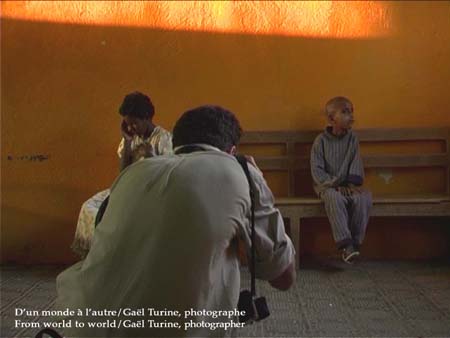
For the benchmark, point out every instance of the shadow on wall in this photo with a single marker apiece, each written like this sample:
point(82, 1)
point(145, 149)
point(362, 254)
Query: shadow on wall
point(62, 85)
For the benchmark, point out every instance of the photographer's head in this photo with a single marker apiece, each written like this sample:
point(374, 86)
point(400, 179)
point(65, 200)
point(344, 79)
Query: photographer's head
point(212, 125)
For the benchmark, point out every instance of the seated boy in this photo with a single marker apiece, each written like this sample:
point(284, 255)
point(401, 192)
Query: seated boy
point(338, 175)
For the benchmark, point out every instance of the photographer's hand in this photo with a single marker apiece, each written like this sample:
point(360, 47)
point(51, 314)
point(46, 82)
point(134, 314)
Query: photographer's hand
point(284, 281)
point(251, 160)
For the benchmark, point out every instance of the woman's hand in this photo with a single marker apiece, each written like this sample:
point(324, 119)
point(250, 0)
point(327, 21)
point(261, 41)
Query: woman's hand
point(126, 131)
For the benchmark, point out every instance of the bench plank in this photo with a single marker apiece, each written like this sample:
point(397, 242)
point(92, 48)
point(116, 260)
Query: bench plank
point(410, 199)
point(364, 135)
point(370, 161)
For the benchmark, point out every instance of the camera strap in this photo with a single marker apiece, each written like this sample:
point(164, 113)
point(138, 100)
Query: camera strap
point(244, 164)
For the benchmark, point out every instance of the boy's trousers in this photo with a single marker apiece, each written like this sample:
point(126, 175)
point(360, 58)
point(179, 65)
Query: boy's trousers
point(348, 215)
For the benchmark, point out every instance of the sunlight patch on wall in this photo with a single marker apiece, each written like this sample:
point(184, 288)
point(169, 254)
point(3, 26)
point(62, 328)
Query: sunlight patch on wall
point(315, 19)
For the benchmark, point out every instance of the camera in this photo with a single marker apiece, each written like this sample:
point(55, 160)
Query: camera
point(255, 308)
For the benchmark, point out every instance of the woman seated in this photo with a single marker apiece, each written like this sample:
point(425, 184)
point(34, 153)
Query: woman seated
point(140, 139)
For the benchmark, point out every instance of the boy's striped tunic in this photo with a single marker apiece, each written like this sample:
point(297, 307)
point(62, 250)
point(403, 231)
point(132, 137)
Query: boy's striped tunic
point(336, 161)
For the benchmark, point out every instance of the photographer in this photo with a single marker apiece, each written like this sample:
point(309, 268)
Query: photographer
point(168, 238)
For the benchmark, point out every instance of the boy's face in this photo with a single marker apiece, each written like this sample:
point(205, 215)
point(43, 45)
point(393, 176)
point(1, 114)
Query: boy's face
point(343, 117)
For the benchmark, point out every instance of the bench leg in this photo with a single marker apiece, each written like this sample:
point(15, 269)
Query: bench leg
point(295, 232)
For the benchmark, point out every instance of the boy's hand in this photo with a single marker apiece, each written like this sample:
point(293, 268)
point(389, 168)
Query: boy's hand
point(346, 191)
point(355, 189)
point(349, 190)
point(126, 132)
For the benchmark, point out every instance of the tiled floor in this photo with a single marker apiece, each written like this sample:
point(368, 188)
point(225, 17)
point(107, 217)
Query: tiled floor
point(330, 299)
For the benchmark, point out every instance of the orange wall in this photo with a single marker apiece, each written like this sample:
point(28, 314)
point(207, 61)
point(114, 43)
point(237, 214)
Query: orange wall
point(64, 76)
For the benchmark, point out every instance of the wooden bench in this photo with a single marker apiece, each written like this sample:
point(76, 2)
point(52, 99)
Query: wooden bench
point(295, 207)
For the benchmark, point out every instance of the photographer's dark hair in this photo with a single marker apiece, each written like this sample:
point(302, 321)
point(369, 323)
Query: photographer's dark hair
point(211, 125)
point(137, 105)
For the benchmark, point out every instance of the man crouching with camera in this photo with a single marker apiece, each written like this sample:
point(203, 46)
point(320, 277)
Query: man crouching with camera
point(168, 240)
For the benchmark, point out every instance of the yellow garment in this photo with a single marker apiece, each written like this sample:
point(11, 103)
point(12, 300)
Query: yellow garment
point(159, 143)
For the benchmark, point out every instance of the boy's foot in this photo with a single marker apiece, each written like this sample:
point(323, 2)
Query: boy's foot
point(349, 254)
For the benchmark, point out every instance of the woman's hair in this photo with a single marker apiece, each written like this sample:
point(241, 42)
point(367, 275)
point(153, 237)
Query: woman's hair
point(208, 124)
point(137, 105)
